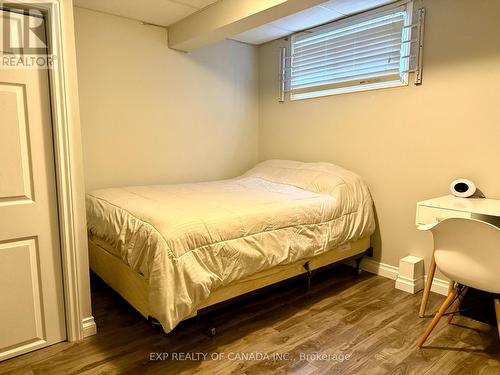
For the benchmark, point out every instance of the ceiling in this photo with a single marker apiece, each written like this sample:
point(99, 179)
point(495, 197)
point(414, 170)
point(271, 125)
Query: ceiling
point(159, 12)
point(167, 12)
point(325, 12)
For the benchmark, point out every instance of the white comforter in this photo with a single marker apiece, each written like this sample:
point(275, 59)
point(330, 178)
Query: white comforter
point(188, 240)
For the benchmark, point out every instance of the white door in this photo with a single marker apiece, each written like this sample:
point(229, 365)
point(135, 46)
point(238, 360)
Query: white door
point(31, 292)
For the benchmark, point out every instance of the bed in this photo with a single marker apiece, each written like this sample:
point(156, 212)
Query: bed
point(172, 250)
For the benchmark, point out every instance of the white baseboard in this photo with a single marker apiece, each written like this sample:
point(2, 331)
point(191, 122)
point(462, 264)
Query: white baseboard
point(439, 286)
point(89, 328)
point(409, 285)
point(381, 269)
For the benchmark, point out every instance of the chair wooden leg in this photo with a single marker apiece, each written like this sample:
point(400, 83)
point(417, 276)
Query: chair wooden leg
point(456, 305)
point(427, 288)
point(451, 285)
point(497, 312)
point(438, 316)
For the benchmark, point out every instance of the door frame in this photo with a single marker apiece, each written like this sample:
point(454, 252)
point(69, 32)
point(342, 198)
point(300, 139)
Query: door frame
point(68, 165)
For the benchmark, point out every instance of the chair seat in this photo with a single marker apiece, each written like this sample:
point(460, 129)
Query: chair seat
point(466, 270)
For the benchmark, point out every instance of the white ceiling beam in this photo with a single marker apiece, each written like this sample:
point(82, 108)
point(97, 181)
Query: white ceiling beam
point(226, 18)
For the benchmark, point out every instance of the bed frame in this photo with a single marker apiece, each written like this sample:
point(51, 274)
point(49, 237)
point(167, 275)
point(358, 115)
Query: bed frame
point(133, 287)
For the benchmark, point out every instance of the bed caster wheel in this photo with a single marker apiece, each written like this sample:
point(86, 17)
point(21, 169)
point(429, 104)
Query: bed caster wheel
point(211, 332)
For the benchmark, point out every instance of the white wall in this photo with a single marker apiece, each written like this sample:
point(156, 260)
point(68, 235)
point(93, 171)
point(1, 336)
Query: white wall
point(409, 142)
point(152, 115)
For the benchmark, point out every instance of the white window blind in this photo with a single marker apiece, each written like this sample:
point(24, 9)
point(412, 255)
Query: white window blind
point(358, 53)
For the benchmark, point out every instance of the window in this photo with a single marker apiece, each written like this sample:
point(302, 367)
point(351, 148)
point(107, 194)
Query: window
point(363, 52)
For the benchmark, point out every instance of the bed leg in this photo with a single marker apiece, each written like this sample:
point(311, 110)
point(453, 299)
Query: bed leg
point(154, 322)
point(369, 252)
point(211, 332)
point(358, 263)
point(208, 326)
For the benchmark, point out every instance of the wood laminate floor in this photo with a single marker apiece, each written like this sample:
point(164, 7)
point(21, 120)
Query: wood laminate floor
point(361, 318)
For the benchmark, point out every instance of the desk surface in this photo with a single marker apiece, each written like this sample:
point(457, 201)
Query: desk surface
point(481, 206)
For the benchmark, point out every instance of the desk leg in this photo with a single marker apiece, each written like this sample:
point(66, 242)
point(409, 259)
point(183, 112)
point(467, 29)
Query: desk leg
point(427, 288)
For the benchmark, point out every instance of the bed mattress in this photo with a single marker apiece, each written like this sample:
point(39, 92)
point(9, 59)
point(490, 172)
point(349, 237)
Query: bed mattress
point(187, 240)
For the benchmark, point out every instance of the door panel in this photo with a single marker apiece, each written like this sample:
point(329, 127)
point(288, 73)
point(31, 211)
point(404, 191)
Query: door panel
point(22, 321)
point(15, 173)
point(31, 291)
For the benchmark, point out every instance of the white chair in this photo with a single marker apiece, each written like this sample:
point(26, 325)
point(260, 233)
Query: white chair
point(468, 252)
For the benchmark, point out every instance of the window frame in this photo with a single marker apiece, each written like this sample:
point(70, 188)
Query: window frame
point(407, 7)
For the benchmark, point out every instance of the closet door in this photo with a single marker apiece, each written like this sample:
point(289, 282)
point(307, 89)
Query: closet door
point(31, 290)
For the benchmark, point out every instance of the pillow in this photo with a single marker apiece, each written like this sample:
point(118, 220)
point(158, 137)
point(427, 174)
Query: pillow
point(323, 178)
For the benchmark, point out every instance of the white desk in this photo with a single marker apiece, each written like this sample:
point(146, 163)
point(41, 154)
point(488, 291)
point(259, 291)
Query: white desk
point(437, 209)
